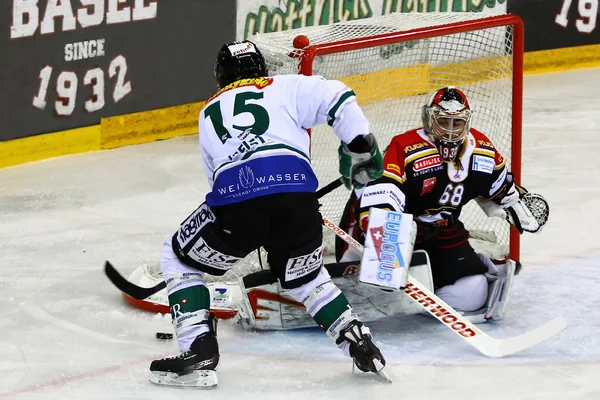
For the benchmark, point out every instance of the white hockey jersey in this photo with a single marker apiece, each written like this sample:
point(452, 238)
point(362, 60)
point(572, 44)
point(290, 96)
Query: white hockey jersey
point(253, 134)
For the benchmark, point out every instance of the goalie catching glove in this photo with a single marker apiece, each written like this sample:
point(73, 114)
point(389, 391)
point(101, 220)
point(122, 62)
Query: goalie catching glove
point(360, 161)
point(528, 212)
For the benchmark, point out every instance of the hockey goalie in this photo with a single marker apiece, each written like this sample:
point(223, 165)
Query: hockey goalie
point(430, 174)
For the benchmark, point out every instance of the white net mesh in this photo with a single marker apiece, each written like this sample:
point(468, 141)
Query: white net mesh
point(392, 83)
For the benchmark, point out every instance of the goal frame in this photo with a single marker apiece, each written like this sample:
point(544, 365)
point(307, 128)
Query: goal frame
point(312, 51)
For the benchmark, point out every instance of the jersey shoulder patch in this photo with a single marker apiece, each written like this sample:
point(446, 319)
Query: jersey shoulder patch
point(483, 164)
point(482, 141)
point(485, 147)
point(412, 142)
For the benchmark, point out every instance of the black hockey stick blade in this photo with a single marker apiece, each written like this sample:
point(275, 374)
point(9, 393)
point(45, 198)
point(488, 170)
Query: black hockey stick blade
point(130, 289)
point(330, 187)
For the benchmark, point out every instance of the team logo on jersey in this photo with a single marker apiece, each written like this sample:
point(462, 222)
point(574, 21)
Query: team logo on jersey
point(246, 177)
point(427, 162)
point(428, 185)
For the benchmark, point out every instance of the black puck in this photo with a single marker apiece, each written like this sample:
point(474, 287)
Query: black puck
point(164, 336)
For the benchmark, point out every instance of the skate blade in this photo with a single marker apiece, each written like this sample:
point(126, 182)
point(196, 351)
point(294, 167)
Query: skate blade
point(195, 380)
point(381, 372)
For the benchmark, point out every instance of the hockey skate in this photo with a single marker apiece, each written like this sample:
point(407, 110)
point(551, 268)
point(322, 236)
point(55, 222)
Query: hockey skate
point(195, 368)
point(366, 355)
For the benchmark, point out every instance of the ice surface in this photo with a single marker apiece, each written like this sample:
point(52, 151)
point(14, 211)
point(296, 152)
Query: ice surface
point(65, 333)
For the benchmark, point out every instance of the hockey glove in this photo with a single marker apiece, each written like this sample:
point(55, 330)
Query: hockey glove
point(528, 212)
point(360, 161)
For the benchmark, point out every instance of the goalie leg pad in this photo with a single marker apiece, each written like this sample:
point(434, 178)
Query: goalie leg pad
point(267, 306)
point(466, 294)
point(500, 276)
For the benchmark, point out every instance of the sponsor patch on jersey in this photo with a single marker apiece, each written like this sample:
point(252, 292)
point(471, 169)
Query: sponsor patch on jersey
point(428, 185)
point(194, 224)
point(259, 83)
point(383, 193)
point(262, 176)
point(485, 144)
point(427, 162)
point(206, 255)
point(298, 267)
point(413, 148)
point(483, 164)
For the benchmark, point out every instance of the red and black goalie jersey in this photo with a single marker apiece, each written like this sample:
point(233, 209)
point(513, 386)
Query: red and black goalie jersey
point(416, 181)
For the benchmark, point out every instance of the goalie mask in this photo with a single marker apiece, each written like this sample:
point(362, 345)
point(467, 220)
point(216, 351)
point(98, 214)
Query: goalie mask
point(238, 60)
point(446, 119)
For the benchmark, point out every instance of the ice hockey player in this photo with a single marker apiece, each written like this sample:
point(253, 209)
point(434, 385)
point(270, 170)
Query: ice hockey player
point(431, 173)
point(255, 146)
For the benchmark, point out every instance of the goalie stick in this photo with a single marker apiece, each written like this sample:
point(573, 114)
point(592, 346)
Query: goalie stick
point(487, 345)
point(141, 293)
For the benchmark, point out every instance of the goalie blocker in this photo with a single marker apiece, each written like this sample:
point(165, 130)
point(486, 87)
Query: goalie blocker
point(389, 243)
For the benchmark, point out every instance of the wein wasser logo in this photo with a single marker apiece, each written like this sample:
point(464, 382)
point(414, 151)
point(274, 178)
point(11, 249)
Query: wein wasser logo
point(249, 181)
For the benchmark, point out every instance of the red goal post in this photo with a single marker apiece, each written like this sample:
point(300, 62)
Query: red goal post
point(393, 62)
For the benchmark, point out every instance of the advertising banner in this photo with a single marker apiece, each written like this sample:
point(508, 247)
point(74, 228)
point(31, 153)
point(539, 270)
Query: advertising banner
point(261, 16)
point(68, 63)
point(554, 24)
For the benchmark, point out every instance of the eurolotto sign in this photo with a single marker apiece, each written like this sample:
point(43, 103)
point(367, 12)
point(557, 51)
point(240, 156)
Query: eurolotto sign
point(388, 249)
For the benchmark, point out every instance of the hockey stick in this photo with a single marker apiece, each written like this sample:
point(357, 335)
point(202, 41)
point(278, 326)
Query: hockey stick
point(141, 293)
point(130, 289)
point(487, 345)
point(330, 187)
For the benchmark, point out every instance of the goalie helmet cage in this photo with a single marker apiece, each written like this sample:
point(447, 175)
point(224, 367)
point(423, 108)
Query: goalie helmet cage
point(393, 63)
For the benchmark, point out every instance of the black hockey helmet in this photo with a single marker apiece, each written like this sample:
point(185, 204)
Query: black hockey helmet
point(239, 60)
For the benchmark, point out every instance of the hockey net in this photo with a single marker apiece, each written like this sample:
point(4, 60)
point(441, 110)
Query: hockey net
point(392, 63)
